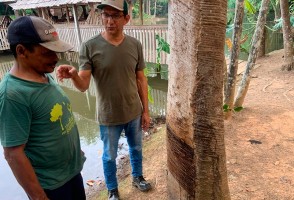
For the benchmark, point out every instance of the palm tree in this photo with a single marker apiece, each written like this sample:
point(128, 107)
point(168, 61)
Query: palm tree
point(195, 126)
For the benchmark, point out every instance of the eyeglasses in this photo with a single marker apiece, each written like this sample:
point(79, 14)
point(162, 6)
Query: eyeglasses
point(115, 16)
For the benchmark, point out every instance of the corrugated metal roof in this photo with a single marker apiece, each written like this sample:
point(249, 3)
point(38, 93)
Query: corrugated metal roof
point(27, 4)
point(7, 1)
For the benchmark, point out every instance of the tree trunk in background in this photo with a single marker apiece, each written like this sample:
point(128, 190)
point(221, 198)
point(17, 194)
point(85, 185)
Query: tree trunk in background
point(261, 51)
point(233, 66)
point(242, 90)
point(155, 5)
point(196, 156)
point(287, 35)
point(131, 13)
point(277, 10)
point(141, 11)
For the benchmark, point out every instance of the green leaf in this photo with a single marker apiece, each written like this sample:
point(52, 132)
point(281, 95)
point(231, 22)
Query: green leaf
point(150, 98)
point(238, 109)
point(244, 50)
point(249, 7)
point(225, 106)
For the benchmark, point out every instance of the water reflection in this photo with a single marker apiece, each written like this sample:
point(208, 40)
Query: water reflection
point(84, 108)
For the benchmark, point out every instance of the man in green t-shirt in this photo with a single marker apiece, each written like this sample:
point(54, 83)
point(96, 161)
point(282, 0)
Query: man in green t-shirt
point(37, 127)
point(116, 62)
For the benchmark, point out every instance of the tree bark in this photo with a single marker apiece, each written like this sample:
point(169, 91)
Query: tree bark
point(195, 126)
point(287, 35)
point(131, 13)
point(277, 10)
point(242, 90)
point(155, 5)
point(141, 11)
point(261, 51)
point(233, 66)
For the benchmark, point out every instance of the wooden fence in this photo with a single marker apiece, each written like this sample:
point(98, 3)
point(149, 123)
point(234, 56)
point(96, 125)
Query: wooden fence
point(3, 40)
point(145, 34)
point(157, 108)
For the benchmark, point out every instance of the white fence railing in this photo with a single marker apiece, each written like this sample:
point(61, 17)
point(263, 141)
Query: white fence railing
point(145, 34)
point(157, 108)
point(3, 40)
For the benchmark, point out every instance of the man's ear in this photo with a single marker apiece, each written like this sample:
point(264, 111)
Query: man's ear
point(20, 50)
point(127, 19)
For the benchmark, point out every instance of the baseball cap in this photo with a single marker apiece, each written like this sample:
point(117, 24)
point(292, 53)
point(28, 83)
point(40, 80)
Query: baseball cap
point(35, 30)
point(117, 4)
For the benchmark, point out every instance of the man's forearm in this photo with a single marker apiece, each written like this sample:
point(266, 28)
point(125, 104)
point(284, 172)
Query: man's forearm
point(25, 174)
point(81, 82)
point(143, 93)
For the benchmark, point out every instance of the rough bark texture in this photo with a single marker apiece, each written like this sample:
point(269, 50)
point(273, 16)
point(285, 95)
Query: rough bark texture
point(287, 35)
point(261, 51)
point(233, 66)
point(277, 10)
point(195, 126)
point(242, 90)
point(141, 11)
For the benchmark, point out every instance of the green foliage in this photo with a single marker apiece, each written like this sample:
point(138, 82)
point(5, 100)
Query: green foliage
point(162, 46)
point(250, 12)
point(136, 10)
point(29, 12)
point(161, 8)
point(150, 98)
point(249, 7)
point(279, 24)
point(244, 49)
point(291, 7)
point(226, 108)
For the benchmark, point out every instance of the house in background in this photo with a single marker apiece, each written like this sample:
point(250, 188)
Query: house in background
point(60, 11)
point(6, 13)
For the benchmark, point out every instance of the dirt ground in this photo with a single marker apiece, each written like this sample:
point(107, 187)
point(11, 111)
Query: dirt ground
point(259, 143)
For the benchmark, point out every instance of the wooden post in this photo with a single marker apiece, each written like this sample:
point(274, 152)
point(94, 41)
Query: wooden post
point(77, 28)
point(67, 14)
point(16, 13)
point(92, 14)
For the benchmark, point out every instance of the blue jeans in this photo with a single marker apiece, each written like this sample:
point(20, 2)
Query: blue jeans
point(110, 136)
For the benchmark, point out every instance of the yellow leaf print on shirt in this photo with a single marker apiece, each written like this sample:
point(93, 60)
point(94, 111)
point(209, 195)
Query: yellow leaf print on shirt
point(56, 114)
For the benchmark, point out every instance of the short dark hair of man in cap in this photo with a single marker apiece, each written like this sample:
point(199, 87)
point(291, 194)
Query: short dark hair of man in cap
point(29, 30)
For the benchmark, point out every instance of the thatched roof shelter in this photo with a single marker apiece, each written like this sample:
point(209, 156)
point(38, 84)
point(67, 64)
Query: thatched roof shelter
point(32, 4)
point(43, 5)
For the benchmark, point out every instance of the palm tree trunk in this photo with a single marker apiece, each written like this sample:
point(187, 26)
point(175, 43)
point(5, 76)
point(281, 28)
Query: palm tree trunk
point(155, 5)
point(287, 36)
point(195, 127)
point(233, 66)
point(243, 88)
point(141, 11)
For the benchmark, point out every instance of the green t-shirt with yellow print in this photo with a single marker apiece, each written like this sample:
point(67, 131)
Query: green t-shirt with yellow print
point(40, 116)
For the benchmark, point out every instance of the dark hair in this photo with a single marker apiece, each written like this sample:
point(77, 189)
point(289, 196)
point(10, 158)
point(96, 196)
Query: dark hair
point(28, 46)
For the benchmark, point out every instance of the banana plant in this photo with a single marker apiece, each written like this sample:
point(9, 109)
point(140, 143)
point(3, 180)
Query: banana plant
point(162, 46)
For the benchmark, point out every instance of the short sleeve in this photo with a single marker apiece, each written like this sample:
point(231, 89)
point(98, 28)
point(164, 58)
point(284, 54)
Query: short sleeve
point(141, 62)
point(15, 120)
point(85, 61)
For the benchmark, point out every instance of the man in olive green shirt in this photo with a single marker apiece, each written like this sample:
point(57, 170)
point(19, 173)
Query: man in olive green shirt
point(116, 62)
